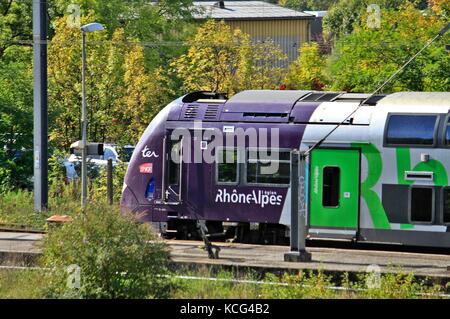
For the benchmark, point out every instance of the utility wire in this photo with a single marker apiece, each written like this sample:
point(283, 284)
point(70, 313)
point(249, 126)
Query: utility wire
point(392, 43)
point(440, 34)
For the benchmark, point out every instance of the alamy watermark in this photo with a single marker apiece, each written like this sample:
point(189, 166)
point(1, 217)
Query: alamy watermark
point(74, 16)
point(373, 280)
point(73, 276)
point(211, 145)
point(374, 17)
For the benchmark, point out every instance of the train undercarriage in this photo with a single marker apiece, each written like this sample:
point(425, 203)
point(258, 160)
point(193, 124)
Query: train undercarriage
point(238, 232)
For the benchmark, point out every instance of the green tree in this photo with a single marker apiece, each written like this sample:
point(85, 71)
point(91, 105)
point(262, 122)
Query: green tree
point(440, 7)
point(364, 59)
point(307, 72)
point(16, 118)
point(155, 22)
point(302, 5)
point(342, 16)
point(223, 60)
point(15, 24)
point(120, 92)
point(145, 95)
point(261, 66)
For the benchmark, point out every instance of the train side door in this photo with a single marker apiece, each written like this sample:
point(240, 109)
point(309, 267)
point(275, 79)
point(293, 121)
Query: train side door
point(173, 171)
point(183, 177)
point(334, 193)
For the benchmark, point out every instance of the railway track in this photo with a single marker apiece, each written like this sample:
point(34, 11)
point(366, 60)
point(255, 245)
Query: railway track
point(19, 228)
point(24, 249)
point(324, 243)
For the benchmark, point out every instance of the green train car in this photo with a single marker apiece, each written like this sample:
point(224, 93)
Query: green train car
point(383, 176)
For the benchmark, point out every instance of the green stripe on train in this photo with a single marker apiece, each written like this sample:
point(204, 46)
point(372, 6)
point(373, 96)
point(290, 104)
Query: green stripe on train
point(375, 167)
point(404, 164)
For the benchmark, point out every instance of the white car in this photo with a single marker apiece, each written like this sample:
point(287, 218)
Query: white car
point(109, 152)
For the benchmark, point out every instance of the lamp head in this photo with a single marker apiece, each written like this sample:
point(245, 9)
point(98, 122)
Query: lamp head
point(92, 27)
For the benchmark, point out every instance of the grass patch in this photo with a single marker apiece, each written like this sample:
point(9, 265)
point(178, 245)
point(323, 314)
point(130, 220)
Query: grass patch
point(304, 285)
point(118, 259)
point(16, 209)
point(21, 284)
point(225, 287)
point(204, 284)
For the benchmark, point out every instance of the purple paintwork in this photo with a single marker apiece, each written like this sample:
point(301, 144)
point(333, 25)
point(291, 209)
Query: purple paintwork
point(200, 194)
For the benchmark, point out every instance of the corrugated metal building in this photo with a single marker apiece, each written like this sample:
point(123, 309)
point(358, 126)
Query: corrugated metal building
point(261, 20)
point(317, 24)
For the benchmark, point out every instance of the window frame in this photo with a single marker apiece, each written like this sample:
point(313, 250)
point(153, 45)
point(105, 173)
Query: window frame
point(433, 205)
point(445, 124)
point(216, 157)
point(339, 187)
point(168, 159)
point(443, 204)
point(435, 131)
point(280, 150)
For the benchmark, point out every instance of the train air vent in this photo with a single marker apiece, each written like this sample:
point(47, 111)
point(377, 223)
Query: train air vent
point(211, 112)
point(419, 176)
point(374, 99)
point(191, 112)
point(264, 115)
point(321, 97)
point(312, 97)
point(328, 97)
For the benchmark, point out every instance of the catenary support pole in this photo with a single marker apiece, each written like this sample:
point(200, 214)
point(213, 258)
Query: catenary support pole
point(40, 105)
point(298, 251)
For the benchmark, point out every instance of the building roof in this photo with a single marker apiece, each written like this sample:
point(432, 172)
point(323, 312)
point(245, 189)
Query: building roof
point(245, 10)
point(318, 14)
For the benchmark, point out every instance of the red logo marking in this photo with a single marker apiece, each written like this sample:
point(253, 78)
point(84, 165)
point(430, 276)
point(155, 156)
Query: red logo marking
point(146, 168)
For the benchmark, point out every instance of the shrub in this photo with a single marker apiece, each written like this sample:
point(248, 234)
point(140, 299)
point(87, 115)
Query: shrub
point(98, 190)
point(307, 72)
point(304, 285)
point(118, 258)
point(399, 285)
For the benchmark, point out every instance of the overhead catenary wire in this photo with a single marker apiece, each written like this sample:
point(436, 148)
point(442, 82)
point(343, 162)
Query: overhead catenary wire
point(187, 43)
point(378, 89)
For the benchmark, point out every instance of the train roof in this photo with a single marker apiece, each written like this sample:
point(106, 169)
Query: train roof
point(284, 106)
point(417, 99)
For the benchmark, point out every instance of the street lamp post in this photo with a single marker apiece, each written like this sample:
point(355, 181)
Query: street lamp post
point(91, 27)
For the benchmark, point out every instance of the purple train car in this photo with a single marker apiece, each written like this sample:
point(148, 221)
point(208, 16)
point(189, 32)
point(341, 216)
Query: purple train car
point(227, 161)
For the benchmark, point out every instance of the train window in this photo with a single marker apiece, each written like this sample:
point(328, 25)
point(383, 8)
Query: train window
point(227, 166)
point(174, 164)
point(268, 167)
point(330, 188)
point(447, 134)
point(421, 204)
point(446, 205)
point(411, 129)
